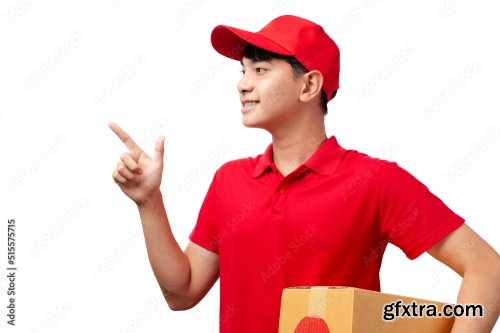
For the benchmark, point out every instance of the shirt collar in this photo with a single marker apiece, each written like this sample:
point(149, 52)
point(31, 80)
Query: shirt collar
point(323, 161)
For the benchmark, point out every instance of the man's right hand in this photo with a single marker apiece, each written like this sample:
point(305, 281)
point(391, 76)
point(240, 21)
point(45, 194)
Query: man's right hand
point(184, 277)
point(137, 174)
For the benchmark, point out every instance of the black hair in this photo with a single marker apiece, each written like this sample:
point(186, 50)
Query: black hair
point(255, 53)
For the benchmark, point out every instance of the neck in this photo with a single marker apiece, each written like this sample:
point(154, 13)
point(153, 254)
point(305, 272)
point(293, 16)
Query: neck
point(294, 145)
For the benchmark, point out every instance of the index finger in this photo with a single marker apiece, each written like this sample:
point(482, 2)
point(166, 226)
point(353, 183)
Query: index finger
point(126, 139)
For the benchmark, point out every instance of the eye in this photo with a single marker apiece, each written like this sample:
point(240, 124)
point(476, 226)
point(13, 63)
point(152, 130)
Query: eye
point(261, 70)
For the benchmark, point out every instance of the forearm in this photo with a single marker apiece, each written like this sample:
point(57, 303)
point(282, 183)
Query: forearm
point(482, 287)
point(169, 263)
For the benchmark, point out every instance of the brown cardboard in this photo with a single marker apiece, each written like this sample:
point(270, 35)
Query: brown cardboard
point(352, 310)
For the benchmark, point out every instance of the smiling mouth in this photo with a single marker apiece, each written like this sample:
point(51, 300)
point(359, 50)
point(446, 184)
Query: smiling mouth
point(248, 105)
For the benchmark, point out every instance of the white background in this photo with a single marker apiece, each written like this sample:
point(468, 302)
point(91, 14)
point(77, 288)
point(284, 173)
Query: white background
point(419, 85)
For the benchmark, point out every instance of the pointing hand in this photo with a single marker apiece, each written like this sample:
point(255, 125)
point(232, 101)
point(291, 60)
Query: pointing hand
point(137, 174)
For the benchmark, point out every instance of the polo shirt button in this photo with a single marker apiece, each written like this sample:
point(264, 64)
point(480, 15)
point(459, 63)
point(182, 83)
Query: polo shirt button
point(282, 190)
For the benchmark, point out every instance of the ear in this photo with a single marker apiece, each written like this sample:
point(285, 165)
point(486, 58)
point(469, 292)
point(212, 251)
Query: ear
point(312, 84)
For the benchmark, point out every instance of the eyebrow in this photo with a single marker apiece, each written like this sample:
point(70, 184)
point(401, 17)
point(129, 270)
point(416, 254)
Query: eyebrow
point(256, 61)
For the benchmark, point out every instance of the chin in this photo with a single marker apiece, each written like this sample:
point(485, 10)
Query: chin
point(248, 122)
point(256, 121)
point(249, 125)
point(252, 123)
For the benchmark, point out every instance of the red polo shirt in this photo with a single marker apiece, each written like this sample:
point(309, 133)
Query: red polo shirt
point(326, 223)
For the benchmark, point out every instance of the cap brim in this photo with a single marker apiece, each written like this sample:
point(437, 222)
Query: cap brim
point(231, 42)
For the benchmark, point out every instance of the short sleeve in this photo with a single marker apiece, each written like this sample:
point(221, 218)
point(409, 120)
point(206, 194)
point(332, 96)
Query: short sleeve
point(205, 232)
point(413, 218)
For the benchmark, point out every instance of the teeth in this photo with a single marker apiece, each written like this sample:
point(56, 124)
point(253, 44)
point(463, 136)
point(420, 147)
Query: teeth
point(250, 103)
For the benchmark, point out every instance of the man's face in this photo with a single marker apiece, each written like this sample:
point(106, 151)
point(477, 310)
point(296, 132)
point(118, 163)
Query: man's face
point(269, 93)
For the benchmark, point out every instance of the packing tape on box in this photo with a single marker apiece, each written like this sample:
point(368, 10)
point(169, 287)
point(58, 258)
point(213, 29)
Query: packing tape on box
point(317, 302)
point(315, 322)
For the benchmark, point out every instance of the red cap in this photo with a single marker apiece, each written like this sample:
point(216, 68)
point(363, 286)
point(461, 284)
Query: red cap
point(290, 36)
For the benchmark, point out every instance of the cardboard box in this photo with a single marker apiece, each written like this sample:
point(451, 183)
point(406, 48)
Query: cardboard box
point(353, 310)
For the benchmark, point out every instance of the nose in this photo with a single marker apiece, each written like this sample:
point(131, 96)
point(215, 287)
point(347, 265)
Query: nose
point(245, 84)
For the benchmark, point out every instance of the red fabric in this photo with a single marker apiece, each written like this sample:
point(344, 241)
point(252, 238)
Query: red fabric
point(327, 223)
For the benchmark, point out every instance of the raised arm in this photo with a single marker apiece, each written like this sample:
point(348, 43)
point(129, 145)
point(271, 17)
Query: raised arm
point(184, 276)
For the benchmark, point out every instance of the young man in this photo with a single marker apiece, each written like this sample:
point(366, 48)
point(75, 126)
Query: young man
point(307, 211)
